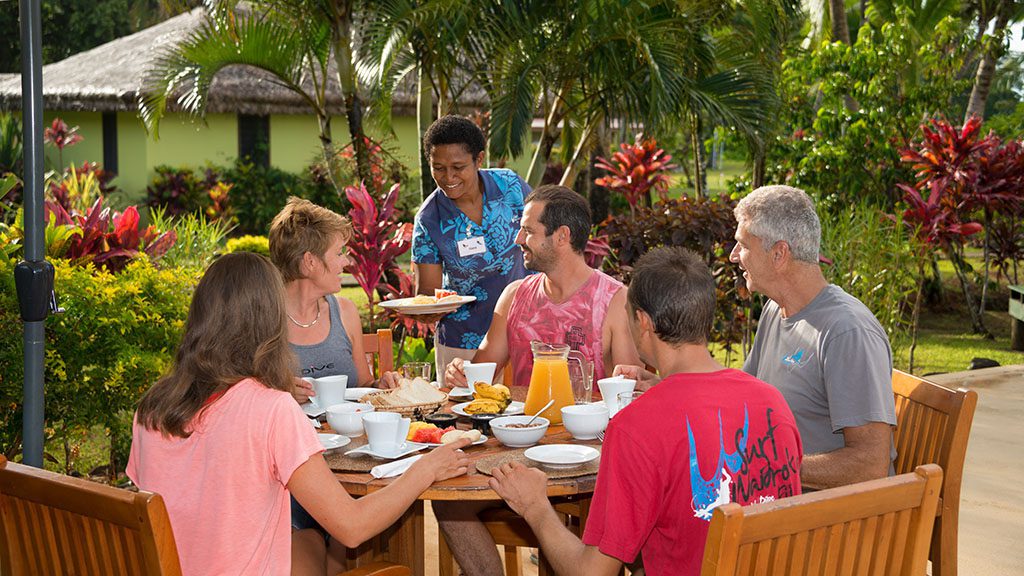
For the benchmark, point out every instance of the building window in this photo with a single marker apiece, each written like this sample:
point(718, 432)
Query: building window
point(254, 139)
point(110, 142)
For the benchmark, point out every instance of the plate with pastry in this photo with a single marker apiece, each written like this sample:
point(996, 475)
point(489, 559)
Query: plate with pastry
point(512, 409)
point(442, 302)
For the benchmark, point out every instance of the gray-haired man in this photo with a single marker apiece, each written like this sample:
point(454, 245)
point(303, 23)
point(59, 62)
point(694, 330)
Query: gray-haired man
point(822, 348)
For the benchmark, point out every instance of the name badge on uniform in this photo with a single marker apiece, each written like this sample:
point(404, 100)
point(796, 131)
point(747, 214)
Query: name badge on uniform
point(471, 246)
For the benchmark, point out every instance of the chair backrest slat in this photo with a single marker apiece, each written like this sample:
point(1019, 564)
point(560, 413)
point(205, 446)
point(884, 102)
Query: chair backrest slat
point(878, 527)
point(54, 524)
point(377, 347)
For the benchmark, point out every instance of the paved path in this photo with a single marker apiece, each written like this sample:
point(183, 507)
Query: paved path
point(992, 499)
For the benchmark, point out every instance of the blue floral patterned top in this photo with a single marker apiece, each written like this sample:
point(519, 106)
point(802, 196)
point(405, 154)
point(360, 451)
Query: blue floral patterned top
point(440, 225)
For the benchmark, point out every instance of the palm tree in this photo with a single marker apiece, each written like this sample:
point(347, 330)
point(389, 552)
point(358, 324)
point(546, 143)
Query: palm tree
point(293, 40)
point(1005, 12)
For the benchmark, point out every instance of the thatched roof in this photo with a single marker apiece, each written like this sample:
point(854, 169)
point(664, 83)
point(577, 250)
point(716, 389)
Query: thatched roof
point(109, 78)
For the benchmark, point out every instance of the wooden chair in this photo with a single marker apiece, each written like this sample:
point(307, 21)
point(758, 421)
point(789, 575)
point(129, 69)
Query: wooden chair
point(875, 527)
point(933, 424)
point(56, 524)
point(378, 350)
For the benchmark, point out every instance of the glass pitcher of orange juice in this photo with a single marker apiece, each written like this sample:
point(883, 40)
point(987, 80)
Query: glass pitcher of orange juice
point(550, 379)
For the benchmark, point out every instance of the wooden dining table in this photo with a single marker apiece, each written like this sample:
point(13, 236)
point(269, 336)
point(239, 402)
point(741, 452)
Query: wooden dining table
point(403, 542)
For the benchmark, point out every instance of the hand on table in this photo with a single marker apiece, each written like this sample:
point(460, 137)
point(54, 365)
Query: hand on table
point(446, 461)
point(389, 380)
point(521, 487)
point(302, 390)
point(644, 378)
point(455, 374)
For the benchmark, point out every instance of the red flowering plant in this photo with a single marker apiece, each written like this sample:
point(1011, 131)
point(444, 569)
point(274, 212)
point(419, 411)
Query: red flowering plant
point(637, 169)
point(107, 238)
point(377, 240)
point(61, 136)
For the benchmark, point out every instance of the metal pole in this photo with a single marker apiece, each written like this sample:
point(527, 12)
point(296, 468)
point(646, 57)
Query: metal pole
point(32, 128)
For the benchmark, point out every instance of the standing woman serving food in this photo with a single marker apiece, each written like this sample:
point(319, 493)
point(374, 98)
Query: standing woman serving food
point(465, 231)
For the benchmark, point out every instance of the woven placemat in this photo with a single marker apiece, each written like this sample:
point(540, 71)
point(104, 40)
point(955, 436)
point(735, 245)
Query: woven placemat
point(339, 462)
point(486, 464)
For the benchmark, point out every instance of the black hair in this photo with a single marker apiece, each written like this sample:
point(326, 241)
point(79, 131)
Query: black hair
point(563, 207)
point(452, 129)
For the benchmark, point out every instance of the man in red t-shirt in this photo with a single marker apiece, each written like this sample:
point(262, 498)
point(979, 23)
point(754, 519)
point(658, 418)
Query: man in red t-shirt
point(705, 435)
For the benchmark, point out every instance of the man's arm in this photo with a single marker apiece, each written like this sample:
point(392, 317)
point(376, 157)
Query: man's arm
point(618, 342)
point(865, 457)
point(494, 347)
point(525, 490)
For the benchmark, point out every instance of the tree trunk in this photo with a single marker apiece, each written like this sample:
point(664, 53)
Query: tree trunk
point(840, 28)
point(915, 318)
point(599, 199)
point(342, 37)
point(757, 178)
point(987, 66)
point(699, 183)
point(581, 148)
point(547, 139)
point(977, 321)
point(424, 112)
point(323, 121)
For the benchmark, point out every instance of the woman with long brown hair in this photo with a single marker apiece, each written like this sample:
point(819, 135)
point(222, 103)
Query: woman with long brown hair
point(222, 440)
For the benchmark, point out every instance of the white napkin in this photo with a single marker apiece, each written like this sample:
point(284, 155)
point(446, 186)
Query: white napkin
point(392, 469)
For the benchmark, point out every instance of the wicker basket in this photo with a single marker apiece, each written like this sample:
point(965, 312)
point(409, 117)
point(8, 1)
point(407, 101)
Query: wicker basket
point(414, 411)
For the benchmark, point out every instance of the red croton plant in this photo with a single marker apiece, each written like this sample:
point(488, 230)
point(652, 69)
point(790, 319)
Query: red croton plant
point(637, 169)
point(377, 240)
point(107, 238)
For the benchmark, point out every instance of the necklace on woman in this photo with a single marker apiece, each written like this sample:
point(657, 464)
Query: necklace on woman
point(311, 324)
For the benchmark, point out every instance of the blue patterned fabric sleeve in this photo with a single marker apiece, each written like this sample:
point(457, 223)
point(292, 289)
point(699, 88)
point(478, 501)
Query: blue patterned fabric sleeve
point(424, 251)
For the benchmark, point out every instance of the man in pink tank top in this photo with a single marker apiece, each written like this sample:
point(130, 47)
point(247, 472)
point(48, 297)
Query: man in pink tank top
point(568, 302)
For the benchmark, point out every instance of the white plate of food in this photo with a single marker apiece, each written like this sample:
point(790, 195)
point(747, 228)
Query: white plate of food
point(355, 394)
point(561, 456)
point(512, 409)
point(427, 304)
point(332, 441)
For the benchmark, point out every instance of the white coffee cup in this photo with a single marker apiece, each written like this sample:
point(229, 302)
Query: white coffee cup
point(385, 431)
point(610, 390)
point(478, 372)
point(330, 390)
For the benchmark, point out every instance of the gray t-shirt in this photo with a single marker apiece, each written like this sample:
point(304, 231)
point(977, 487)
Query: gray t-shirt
point(332, 356)
point(832, 363)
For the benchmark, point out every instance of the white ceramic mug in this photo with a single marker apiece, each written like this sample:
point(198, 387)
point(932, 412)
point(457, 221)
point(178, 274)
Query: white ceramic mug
point(385, 431)
point(478, 372)
point(330, 390)
point(610, 390)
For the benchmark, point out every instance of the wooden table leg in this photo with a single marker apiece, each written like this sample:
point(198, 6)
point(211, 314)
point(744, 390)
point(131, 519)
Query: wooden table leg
point(405, 542)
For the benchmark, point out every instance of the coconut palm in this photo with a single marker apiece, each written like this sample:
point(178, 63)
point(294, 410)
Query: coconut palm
point(295, 41)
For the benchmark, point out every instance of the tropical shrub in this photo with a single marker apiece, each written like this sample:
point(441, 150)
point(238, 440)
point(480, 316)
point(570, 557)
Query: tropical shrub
point(257, 244)
point(198, 239)
point(115, 337)
point(60, 136)
point(847, 110)
point(705, 226)
point(180, 190)
point(635, 170)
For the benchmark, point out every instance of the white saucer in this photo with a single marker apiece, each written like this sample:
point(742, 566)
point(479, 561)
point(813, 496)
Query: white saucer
point(513, 409)
point(561, 456)
point(332, 441)
point(462, 392)
point(406, 448)
point(354, 394)
point(483, 438)
point(312, 410)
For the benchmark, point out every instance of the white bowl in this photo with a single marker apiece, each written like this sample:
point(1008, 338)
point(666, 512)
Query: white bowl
point(585, 421)
point(347, 418)
point(519, 437)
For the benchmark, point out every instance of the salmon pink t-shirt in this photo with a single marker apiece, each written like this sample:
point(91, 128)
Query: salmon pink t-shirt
point(225, 486)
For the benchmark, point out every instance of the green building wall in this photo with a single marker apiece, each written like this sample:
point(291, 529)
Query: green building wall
point(185, 142)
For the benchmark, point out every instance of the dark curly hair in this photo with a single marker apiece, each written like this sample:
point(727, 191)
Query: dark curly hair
point(452, 129)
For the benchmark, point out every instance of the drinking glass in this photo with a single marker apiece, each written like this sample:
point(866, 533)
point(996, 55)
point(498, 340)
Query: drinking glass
point(417, 369)
point(626, 398)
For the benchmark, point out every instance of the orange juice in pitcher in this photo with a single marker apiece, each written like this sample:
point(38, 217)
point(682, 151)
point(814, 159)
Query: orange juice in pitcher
point(550, 379)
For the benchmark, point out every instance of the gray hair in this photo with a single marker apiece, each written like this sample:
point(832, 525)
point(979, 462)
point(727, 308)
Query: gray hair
point(783, 213)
